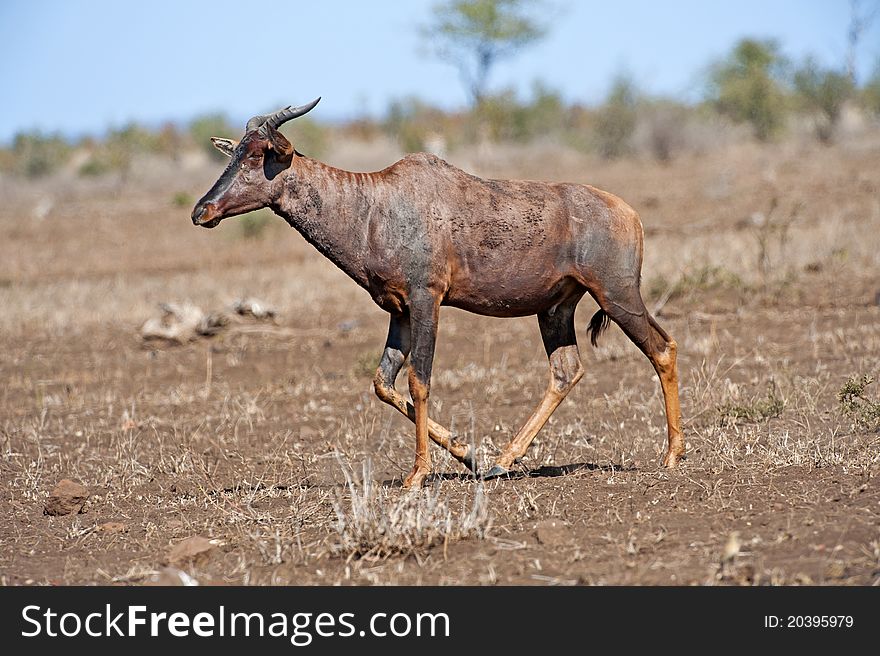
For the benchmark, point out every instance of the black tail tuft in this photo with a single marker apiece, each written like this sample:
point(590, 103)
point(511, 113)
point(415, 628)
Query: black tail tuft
point(598, 324)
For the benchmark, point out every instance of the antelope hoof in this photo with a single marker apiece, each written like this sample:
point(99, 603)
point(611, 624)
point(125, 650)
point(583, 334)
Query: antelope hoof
point(415, 479)
point(497, 471)
point(671, 459)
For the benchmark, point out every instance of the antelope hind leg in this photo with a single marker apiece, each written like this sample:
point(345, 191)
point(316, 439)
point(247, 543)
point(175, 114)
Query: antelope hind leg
point(566, 370)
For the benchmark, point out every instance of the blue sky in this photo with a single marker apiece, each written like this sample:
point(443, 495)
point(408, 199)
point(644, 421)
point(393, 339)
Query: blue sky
point(80, 66)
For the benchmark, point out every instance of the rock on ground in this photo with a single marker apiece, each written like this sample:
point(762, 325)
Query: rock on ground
point(68, 497)
point(190, 549)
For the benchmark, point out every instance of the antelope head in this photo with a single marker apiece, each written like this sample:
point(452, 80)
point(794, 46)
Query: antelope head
point(255, 161)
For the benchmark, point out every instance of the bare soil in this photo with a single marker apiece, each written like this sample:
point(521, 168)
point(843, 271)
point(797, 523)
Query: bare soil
point(245, 438)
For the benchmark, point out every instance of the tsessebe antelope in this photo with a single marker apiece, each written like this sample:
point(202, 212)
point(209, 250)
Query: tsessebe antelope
point(422, 233)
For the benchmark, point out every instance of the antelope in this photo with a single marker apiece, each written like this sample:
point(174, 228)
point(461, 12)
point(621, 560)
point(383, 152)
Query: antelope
point(421, 233)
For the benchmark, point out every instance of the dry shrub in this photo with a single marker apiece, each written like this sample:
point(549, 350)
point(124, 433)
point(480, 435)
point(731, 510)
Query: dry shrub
point(854, 403)
point(691, 280)
point(616, 119)
point(378, 522)
point(661, 129)
point(752, 409)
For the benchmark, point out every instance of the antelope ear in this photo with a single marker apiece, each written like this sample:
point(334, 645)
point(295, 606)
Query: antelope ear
point(225, 146)
point(279, 143)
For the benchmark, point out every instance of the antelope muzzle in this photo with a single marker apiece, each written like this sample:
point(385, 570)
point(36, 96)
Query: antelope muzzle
point(206, 215)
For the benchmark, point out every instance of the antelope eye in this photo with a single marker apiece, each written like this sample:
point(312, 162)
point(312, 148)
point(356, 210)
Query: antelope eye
point(255, 155)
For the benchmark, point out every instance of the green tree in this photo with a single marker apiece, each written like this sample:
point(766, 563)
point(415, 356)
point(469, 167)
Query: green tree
point(748, 86)
point(307, 136)
point(616, 118)
point(475, 34)
point(35, 154)
point(823, 92)
point(211, 125)
point(118, 149)
point(410, 120)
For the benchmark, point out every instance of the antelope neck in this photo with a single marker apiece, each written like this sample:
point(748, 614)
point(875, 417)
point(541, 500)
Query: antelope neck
point(331, 208)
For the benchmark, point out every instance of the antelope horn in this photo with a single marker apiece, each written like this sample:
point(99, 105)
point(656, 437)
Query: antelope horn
point(256, 122)
point(277, 119)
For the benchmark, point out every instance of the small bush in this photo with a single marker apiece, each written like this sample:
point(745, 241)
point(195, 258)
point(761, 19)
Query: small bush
point(372, 524)
point(616, 120)
point(253, 224)
point(367, 363)
point(870, 94)
point(823, 92)
point(545, 113)
point(211, 125)
point(182, 199)
point(496, 116)
point(118, 149)
point(854, 404)
point(106, 158)
point(307, 136)
point(755, 409)
point(663, 126)
point(703, 278)
point(132, 139)
point(94, 166)
point(502, 117)
point(35, 155)
point(168, 141)
point(410, 121)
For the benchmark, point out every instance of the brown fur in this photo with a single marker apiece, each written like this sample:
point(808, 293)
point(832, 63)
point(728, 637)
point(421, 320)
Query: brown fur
point(422, 233)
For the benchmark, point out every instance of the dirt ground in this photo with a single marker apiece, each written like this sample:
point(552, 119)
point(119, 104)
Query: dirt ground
point(762, 262)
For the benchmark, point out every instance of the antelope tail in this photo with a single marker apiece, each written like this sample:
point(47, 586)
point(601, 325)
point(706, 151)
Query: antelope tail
point(598, 324)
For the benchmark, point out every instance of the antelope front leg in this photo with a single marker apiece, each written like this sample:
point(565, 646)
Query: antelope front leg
point(424, 313)
point(397, 348)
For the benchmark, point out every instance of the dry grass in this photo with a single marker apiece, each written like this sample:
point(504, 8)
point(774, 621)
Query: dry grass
point(855, 403)
point(240, 438)
point(372, 524)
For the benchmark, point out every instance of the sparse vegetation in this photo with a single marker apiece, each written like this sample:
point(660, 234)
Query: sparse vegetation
point(474, 35)
point(752, 409)
point(764, 269)
point(870, 94)
point(367, 363)
point(182, 199)
point(855, 404)
point(35, 155)
point(410, 122)
point(253, 224)
point(754, 85)
point(94, 166)
point(616, 119)
point(376, 522)
point(505, 119)
point(308, 137)
point(694, 279)
point(201, 130)
point(748, 86)
point(824, 93)
point(664, 124)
